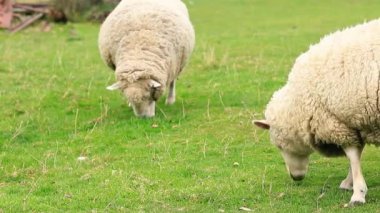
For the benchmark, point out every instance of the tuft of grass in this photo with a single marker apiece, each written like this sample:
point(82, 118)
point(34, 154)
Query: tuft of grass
point(68, 145)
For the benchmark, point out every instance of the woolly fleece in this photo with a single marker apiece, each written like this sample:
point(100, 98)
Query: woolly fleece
point(332, 93)
point(147, 39)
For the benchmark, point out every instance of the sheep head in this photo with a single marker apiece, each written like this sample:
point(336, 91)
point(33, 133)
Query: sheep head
point(294, 153)
point(141, 95)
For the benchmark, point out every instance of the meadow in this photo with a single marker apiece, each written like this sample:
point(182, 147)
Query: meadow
point(69, 145)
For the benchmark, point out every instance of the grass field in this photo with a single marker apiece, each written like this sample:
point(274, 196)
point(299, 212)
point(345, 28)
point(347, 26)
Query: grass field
point(68, 145)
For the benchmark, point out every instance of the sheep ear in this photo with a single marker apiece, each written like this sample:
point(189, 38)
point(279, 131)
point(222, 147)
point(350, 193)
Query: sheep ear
point(154, 84)
point(262, 124)
point(114, 86)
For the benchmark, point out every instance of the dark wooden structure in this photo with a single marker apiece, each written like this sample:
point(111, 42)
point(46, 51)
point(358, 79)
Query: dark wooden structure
point(18, 16)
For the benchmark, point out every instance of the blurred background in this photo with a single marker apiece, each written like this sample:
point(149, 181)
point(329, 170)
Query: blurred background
point(16, 15)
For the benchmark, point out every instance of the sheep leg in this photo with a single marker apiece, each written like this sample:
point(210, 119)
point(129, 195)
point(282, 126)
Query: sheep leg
point(347, 183)
point(353, 153)
point(171, 95)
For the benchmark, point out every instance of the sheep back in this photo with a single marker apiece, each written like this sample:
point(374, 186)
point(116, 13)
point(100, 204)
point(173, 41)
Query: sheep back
point(332, 92)
point(147, 39)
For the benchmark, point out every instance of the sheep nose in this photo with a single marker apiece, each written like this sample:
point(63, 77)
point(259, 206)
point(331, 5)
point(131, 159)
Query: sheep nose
point(146, 116)
point(297, 177)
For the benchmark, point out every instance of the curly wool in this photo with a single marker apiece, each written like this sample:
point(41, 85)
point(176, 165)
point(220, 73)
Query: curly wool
point(147, 39)
point(332, 93)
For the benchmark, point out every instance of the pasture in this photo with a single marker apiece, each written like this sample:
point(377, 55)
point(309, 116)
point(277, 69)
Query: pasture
point(69, 145)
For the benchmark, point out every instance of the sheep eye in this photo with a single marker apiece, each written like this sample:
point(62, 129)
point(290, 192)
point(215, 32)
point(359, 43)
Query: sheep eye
point(154, 93)
point(279, 146)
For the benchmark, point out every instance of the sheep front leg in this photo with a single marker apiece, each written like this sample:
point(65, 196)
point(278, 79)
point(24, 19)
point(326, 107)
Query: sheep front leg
point(171, 95)
point(353, 153)
point(347, 183)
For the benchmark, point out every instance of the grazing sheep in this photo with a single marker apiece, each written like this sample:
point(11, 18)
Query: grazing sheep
point(330, 104)
point(147, 43)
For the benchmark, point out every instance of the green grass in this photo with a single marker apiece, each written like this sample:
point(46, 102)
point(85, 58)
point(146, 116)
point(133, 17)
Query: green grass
point(54, 108)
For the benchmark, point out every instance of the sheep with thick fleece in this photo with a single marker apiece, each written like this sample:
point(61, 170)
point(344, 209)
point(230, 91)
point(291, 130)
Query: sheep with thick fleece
point(147, 43)
point(330, 104)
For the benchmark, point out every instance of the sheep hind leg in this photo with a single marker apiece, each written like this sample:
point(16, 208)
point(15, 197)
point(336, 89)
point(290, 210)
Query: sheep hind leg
point(347, 183)
point(353, 153)
point(171, 95)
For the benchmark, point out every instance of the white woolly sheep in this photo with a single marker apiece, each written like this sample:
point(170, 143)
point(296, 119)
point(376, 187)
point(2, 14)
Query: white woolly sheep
point(330, 104)
point(147, 43)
